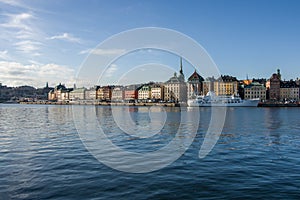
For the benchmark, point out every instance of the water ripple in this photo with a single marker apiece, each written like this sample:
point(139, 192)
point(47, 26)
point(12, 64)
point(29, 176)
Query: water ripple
point(42, 157)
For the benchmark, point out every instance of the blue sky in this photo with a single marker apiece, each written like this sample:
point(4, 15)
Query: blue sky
point(49, 40)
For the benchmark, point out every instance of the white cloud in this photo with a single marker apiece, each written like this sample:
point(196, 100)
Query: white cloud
point(19, 21)
point(103, 51)
point(110, 71)
point(15, 74)
point(28, 46)
point(35, 62)
point(20, 29)
point(86, 51)
point(66, 37)
point(4, 55)
point(12, 2)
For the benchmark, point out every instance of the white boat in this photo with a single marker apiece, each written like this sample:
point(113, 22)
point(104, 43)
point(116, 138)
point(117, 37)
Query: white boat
point(211, 99)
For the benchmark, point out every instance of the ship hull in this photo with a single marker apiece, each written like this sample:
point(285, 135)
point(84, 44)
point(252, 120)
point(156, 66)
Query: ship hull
point(244, 103)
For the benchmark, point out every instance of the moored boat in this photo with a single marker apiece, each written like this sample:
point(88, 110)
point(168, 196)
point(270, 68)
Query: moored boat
point(211, 99)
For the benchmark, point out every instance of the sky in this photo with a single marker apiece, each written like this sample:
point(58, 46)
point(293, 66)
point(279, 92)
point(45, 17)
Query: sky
point(49, 41)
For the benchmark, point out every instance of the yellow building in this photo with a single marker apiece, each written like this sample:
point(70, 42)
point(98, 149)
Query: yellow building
point(59, 93)
point(104, 93)
point(226, 85)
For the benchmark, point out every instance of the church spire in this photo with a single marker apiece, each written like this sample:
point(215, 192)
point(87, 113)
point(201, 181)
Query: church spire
point(181, 71)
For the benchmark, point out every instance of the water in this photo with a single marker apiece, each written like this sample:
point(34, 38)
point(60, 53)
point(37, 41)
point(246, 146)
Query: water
point(42, 157)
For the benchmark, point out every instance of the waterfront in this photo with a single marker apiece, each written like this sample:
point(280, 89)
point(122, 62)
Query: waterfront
point(42, 157)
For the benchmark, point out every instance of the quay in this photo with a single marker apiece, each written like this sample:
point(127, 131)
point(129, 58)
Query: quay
point(166, 104)
point(105, 103)
point(278, 104)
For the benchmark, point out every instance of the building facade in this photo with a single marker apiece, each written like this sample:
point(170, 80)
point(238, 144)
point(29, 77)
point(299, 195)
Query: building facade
point(289, 91)
point(194, 85)
point(157, 92)
point(117, 94)
point(255, 90)
point(77, 94)
point(273, 86)
point(176, 88)
point(208, 85)
point(131, 93)
point(226, 85)
point(90, 94)
point(60, 93)
point(144, 93)
point(104, 93)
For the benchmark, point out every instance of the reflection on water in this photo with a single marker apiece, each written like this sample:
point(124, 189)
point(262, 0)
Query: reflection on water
point(42, 157)
point(273, 118)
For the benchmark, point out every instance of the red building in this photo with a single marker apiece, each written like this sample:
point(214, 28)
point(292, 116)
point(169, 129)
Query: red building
point(273, 86)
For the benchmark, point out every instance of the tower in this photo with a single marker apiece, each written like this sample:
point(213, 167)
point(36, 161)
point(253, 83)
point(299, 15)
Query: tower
point(278, 73)
point(181, 75)
point(181, 71)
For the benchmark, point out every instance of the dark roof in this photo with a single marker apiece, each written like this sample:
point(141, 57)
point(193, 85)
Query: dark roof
point(196, 77)
point(275, 76)
point(289, 84)
point(254, 84)
point(260, 80)
point(60, 87)
point(227, 78)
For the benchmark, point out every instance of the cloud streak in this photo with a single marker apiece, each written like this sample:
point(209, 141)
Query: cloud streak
point(28, 46)
point(12, 3)
point(110, 71)
point(103, 52)
point(67, 37)
point(4, 55)
point(21, 30)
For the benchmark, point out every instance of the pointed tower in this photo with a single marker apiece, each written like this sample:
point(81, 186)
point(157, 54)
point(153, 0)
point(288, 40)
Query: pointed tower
point(181, 75)
point(181, 71)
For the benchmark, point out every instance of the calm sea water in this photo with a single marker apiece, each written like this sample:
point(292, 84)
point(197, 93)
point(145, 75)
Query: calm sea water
point(42, 157)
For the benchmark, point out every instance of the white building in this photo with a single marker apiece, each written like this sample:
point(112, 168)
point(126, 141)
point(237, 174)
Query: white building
point(117, 94)
point(77, 94)
point(144, 93)
point(157, 92)
point(90, 94)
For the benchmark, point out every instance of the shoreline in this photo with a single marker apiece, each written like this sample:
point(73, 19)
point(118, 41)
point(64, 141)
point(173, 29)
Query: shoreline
point(107, 104)
point(145, 104)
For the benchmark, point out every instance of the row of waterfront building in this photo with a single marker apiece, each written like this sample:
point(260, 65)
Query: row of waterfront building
point(176, 89)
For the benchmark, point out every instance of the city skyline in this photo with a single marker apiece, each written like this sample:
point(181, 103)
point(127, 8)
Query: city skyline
point(48, 41)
